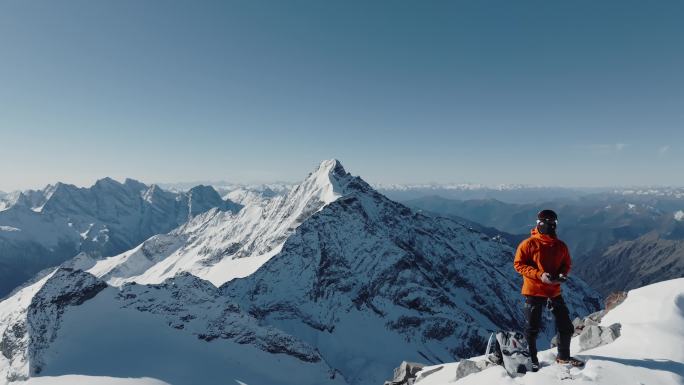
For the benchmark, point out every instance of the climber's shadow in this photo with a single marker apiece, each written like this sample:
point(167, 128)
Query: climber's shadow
point(665, 365)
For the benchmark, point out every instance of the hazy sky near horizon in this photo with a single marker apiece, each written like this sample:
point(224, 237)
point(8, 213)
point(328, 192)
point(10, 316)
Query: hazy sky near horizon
point(572, 93)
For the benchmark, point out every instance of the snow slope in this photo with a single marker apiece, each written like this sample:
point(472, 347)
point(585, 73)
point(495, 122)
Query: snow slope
point(650, 350)
point(181, 331)
point(221, 245)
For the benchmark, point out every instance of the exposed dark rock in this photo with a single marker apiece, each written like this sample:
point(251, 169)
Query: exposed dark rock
point(594, 336)
point(405, 374)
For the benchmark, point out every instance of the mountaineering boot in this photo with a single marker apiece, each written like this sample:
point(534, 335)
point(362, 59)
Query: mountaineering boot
point(570, 361)
point(535, 366)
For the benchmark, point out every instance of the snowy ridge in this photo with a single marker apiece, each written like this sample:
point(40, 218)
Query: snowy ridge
point(220, 246)
point(649, 351)
point(181, 331)
point(251, 197)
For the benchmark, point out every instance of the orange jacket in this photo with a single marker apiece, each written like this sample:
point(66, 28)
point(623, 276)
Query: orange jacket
point(541, 253)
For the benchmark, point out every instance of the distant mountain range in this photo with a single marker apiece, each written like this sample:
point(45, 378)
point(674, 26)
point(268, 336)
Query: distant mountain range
point(594, 226)
point(43, 228)
point(521, 194)
point(505, 193)
point(330, 282)
point(630, 264)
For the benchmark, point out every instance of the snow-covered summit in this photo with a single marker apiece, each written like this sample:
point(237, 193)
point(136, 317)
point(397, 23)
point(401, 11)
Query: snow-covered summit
point(328, 181)
point(222, 245)
point(650, 349)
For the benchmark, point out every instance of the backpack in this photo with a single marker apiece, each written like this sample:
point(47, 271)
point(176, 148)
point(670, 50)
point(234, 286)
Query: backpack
point(510, 349)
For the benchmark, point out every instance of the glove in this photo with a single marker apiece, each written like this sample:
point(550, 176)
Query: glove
point(546, 278)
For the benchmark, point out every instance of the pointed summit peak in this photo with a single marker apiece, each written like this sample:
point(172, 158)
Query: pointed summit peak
point(327, 181)
point(332, 166)
point(331, 181)
point(329, 171)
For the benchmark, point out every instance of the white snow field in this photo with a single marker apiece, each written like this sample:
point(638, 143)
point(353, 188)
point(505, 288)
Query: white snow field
point(650, 350)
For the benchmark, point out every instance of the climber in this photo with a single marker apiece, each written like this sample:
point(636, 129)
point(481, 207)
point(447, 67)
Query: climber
point(544, 262)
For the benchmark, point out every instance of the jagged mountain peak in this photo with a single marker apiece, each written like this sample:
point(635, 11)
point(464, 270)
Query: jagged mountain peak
point(202, 198)
point(204, 189)
point(328, 180)
point(135, 184)
point(107, 182)
point(327, 183)
point(331, 166)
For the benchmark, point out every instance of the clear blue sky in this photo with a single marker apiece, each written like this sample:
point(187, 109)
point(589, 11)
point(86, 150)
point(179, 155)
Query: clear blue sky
point(577, 93)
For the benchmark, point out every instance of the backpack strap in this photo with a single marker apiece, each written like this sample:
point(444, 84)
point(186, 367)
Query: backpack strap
point(489, 344)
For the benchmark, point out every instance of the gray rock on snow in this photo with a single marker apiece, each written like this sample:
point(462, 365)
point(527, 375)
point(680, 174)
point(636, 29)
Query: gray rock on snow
point(594, 335)
point(405, 374)
point(594, 319)
point(466, 367)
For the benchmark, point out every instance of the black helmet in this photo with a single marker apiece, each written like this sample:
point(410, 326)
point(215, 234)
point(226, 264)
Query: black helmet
point(547, 214)
point(546, 222)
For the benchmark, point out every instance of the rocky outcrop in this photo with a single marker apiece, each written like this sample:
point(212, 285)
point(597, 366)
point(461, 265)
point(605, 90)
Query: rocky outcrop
point(595, 335)
point(467, 367)
point(410, 373)
point(195, 306)
point(614, 300)
point(405, 374)
point(186, 303)
point(65, 288)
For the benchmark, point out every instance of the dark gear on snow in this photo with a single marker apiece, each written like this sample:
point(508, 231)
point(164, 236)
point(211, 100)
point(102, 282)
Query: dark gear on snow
point(533, 316)
point(509, 348)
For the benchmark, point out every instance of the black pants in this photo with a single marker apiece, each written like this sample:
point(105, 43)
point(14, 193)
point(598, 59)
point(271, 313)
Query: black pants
point(533, 316)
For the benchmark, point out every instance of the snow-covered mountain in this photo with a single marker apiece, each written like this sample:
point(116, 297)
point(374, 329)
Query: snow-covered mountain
point(42, 228)
point(222, 245)
point(650, 349)
point(329, 283)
